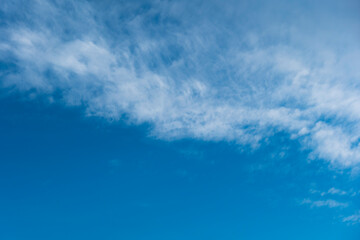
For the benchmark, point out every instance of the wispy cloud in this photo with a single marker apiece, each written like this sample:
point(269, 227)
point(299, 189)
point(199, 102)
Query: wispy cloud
point(331, 203)
point(352, 219)
point(335, 191)
point(196, 70)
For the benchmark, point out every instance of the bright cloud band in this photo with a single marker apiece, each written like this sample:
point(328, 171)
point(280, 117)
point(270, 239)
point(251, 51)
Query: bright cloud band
point(205, 71)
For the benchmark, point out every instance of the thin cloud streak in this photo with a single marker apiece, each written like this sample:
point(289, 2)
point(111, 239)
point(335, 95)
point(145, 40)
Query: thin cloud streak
point(331, 203)
point(352, 219)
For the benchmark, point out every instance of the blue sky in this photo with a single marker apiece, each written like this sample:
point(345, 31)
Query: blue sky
point(179, 120)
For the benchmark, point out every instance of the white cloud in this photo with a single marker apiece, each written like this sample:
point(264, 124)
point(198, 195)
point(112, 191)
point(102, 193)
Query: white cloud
point(325, 203)
point(335, 191)
point(218, 81)
point(352, 219)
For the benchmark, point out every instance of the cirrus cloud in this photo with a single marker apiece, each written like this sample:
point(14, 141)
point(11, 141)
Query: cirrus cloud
point(196, 70)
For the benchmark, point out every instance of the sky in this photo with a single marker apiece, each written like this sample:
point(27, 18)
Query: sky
point(179, 119)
